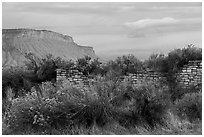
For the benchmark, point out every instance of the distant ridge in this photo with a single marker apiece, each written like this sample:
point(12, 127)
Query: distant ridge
point(15, 42)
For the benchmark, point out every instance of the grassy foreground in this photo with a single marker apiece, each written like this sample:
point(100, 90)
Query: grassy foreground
point(106, 108)
point(184, 128)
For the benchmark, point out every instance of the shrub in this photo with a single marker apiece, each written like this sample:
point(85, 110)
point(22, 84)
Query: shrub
point(190, 106)
point(6, 101)
point(124, 65)
point(179, 92)
point(25, 112)
point(175, 59)
point(12, 78)
point(100, 104)
point(97, 108)
point(156, 62)
point(172, 63)
point(89, 66)
point(60, 106)
point(149, 107)
point(35, 111)
point(41, 69)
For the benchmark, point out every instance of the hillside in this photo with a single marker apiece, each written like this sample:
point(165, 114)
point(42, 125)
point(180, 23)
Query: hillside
point(17, 42)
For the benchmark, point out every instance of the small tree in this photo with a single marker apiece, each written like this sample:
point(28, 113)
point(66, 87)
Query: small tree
point(172, 63)
point(64, 64)
point(95, 67)
point(126, 64)
point(89, 66)
point(156, 62)
point(41, 69)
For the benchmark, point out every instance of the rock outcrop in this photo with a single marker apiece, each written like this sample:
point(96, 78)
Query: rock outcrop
point(17, 42)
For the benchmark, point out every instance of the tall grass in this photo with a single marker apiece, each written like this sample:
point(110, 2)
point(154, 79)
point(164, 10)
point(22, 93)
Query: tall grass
point(74, 109)
point(190, 107)
point(63, 107)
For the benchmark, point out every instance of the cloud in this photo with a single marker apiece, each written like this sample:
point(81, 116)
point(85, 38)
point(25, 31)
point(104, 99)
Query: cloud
point(143, 23)
point(146, 27)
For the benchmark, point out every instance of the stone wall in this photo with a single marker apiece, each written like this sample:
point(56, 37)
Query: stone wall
point(140, 77)
point(76, 77)
point(73, 76)
point(191, 74)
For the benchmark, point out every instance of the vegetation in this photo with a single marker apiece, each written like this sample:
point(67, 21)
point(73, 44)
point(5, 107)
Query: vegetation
point(12, 78)
point(190, 107)
point(64, 106)
point(125, 64)
point(175, 59)
point(172, 63)
point(34, 103)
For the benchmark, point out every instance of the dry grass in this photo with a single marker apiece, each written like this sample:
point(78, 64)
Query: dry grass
point(92, 113)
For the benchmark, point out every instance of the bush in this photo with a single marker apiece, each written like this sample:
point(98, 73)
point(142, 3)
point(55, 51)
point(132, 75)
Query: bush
point(179, 91)
point(156, 62)
point(124, 65)
point(60, 106)
point(12, 78)
point(190, 106)
point(89, 66)
point(149, 105)
point(175, 59)
point(35, 112)
point(172, 63)
point(97, 108)
point(65, 105)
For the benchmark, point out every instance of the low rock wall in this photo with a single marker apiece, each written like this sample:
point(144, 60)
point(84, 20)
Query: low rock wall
point(191, 74)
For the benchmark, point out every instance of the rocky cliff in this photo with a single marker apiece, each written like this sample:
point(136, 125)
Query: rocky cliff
point(17, 42)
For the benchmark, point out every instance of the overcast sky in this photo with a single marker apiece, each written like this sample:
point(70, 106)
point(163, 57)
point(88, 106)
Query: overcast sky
point(114, 29)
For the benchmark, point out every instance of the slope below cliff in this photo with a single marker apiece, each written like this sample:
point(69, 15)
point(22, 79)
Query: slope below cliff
point(17, 42)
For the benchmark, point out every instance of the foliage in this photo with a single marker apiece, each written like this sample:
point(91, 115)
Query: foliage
point(64, 106)
point(45, 69)
point(61, 107)
point(156, 62)
point(32, 111)
point(109, 100)
point(179, 57)
point(175, 59)
point(125, 65)
point(67, 105)
point(88, 66)
point(190, 106)
point(180, 91)
point(64, 64)
point(37, 71)
point(42, 69)
point(172, 63)
point(12, 78)
point(149, 105)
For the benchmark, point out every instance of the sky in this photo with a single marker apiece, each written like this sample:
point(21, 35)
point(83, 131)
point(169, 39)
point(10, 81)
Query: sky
point(114, 28)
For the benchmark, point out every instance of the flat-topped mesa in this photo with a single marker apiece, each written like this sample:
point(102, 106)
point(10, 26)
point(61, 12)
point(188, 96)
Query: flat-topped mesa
point(15, 42)
point(87, 49)
point(37, 34)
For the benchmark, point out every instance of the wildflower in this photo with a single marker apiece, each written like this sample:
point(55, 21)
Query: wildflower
point(35, 119)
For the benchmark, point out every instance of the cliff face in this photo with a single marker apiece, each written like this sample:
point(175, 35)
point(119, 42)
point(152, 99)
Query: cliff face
point(16, 42)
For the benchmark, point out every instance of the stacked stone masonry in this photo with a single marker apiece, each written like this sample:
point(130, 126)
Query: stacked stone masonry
point(140, 77)
point(191, 74)
point(73, 76)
